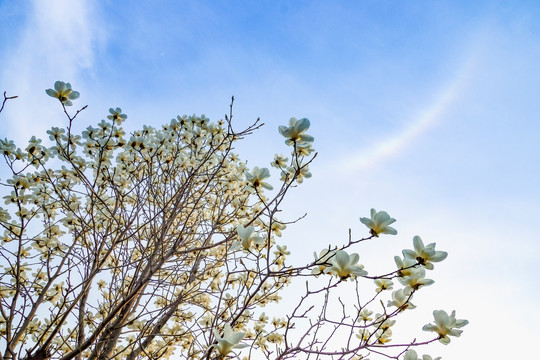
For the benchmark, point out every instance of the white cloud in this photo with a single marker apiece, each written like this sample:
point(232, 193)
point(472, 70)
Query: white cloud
point(56, 42)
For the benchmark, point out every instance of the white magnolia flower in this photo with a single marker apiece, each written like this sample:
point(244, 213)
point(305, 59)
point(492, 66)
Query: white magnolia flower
point(410, 355)
point(360, 357)
point(428, 357)
point(248, 237)
point(384, 336)
point(295, 132)
point(63, 92)
point(277, 227)
point(416, 279)
point(405, 266)
point(301, 174)
point(230, 340)
point(116, 115)
point(282, 251)
point(445, 325)
point(384, 322)
point(365, 315)
point(256, 177)
point(304, 149)
point(322, 261)
point(378, 224)
point(383, 284)
point(425, 255)
point(401, 299)
point(207, 320)
point(344, 265)
point(280, 161)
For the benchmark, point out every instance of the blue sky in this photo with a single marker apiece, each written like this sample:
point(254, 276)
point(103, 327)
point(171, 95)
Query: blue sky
point(426, 109)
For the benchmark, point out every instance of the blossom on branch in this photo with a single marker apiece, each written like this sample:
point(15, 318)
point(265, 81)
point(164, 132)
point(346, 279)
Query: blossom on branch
point(383, 284)
point(63, 92)
point(425, 255)
point(277, 227)
point(365, 315)
point(322, 261)
point(304, 149)
point(416, 279)
point(299, 174)
point(229, 341)
point(411, 355)
point(116, 115)
point(164, 245)
point(280, 161)
point(343, 266)
point(295, 132)
point(405, 266)
point(401, 299)
point(378, 223)
point(248, 237)
point(256, 176)
point(445, 325)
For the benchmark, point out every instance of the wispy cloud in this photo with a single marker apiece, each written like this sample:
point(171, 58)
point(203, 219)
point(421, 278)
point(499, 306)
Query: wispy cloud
point(417, 124)
point(56, 42)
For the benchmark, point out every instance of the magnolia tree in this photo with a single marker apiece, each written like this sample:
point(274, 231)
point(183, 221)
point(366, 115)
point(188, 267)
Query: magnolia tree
point(164, 243)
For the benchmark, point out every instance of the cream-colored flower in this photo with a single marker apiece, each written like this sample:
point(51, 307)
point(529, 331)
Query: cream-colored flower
point(274, 338)
point(321, 261)
point(116, 115)
point(207, 320)
point(383, 284)
point(405, 266)
point(424, 255)
point(280, 161)
point(281, 251)
point(410, 355)
point(279, 322)
point(277, 227)
point(101, 284)
point(343, 266)
point(299, 173)
point(295, 132)
point(378, 223)
point(256, 176)
point(304, 149)
point(428, 357)
point(401, 299)
point(263, 318)
point(63, 92)
point(445, 325)
point(248, 237)
point(365, 315)
point(359, 357)
point(416, 279)
point(229, 341)
point(384, 336)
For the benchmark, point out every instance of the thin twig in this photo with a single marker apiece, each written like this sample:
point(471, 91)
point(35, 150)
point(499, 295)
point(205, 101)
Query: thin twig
point(6, 98)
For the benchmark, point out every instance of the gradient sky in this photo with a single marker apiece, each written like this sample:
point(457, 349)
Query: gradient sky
point(426, 109)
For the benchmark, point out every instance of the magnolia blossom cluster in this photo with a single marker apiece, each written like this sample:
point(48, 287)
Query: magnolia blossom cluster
point(159, 208)
point(302, 146)
point(295, 170)
point(410, 273)
point(338, 263)
point(161, 242)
